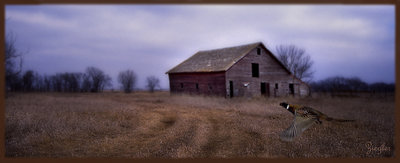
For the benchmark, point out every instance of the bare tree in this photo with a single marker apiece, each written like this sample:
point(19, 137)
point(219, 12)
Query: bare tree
point(99, 80)
point(127, 79)
point(106, 83)
point(38, 82)
point(14, 83)
point(71, 82)
point(28, 80)
point(47, 83)
point(68, 82)
point(13, 61)
point(152, 83)
point(296, 61)
point(86, 83)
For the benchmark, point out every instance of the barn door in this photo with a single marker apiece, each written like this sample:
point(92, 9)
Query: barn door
point(291, 89)
point(230, 89)
point(265, 89)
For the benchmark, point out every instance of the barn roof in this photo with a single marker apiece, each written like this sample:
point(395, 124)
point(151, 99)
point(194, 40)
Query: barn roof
point(216, 60)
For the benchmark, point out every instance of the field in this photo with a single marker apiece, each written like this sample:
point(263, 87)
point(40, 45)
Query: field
point(160, 125)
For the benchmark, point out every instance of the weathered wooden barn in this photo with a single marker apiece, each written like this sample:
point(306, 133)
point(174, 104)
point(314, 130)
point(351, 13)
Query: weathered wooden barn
point(246, 70)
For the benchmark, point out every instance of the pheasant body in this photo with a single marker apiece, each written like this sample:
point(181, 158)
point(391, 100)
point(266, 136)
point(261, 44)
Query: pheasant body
point(304, 118)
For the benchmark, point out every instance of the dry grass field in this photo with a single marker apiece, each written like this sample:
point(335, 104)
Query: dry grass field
point(160, 125)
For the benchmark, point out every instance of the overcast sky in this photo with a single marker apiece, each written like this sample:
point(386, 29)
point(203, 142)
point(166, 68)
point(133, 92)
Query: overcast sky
point(346, 40)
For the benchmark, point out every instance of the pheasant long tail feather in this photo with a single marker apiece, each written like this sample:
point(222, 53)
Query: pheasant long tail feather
point(336, 120)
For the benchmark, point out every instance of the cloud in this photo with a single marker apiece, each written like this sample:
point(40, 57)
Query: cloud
point(151, 39)
point(40, 19)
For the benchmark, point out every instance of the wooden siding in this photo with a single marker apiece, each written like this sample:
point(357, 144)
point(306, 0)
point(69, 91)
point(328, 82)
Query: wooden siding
point(212, 83)
point(270, 72)
point(210, 73)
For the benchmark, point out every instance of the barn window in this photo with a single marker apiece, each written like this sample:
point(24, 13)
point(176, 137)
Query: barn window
point(197, 86)
point(254, 70)
point(258, 51)
point(181, 85)
point(276, 85)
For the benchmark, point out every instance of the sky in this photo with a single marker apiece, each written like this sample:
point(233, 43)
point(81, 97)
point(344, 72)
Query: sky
point(345, 40)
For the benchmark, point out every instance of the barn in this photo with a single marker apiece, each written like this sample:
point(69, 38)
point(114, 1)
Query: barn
point(247, 70)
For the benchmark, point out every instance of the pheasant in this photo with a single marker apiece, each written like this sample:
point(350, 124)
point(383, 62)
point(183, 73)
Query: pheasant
point(304, 118)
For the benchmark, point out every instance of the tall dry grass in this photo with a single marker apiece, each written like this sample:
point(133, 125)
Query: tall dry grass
point(160, 125)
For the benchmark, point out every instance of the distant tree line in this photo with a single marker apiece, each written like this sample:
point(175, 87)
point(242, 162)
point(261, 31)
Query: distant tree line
point(92, 80)
point(339, 85)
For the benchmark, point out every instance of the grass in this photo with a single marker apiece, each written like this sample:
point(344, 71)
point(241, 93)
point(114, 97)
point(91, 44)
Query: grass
point(160, 125)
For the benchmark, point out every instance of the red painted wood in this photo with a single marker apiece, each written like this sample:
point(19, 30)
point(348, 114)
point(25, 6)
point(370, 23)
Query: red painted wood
point(209, 83)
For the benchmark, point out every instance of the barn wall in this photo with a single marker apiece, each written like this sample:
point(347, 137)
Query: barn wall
point(208, 83)
point(304, 90)
point(270, 72)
